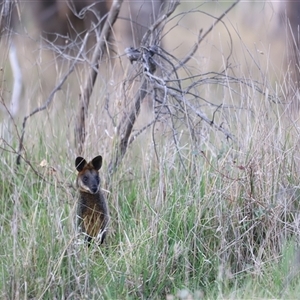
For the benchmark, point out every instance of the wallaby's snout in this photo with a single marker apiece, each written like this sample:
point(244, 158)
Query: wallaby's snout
point(95, 186)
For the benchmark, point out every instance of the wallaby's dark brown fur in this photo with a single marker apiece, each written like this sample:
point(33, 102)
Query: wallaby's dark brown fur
point(92, 208)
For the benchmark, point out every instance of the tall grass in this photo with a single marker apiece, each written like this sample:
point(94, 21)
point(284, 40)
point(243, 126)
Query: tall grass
point(217, 228)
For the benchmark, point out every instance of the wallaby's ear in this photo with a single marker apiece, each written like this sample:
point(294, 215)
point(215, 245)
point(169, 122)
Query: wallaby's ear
point(97, 162)
point(80, 162)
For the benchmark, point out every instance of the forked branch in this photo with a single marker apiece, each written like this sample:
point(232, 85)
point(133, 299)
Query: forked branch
point(145, 57)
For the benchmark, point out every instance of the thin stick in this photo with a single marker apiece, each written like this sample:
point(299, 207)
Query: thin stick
point(50, 99)
point(127, 128)
point(198, 112)
point(125, 131)
point(158, 22)
point(80, 130)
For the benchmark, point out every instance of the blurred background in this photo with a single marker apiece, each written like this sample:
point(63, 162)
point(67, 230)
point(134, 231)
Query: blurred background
point(45, 36)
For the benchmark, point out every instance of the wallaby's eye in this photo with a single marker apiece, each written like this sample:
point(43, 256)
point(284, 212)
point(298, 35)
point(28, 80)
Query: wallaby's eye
point(85, 179)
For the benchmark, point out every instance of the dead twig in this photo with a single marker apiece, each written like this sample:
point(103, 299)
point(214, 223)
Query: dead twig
point(80, 130)
point(49, 100)
point(145, 57)
point(124, 131)
point(159, 21)
point(198, 112)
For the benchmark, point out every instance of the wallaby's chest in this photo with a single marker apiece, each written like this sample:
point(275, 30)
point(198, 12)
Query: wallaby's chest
point(89, 202)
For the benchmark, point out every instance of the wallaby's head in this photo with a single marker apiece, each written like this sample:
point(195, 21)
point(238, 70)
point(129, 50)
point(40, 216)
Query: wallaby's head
point(88, 176)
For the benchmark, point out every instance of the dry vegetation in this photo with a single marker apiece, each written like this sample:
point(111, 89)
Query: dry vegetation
point(204, 200)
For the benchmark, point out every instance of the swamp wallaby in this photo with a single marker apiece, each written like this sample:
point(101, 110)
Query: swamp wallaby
point(92, 208)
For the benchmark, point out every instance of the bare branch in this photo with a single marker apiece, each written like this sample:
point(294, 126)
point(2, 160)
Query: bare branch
point(197, 112)
point(49, 100)
point(158, 22)
point(80, 131)
point(126, 125)
point(125, 130)
point(144, 56)
point(192, 52)
point(208, 31)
